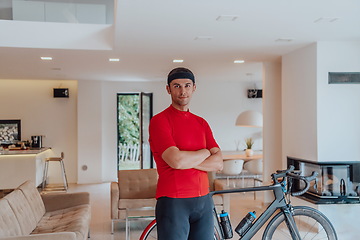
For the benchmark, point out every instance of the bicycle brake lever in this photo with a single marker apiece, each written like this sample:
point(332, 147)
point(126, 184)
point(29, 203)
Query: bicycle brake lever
point(316, 185)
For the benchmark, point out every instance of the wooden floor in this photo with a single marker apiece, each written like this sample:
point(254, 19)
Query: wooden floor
point(101, 222)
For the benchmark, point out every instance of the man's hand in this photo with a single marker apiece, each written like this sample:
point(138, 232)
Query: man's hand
point(213, 163)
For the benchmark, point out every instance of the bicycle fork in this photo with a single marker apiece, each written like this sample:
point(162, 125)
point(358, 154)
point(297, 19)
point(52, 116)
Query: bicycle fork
point(290, 222)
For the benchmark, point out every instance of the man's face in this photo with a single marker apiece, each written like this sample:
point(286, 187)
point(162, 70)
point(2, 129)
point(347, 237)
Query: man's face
point(181, 91)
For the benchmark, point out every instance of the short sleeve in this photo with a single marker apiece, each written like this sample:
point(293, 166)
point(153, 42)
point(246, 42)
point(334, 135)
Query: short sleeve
point(210, 140)
point(160, 135)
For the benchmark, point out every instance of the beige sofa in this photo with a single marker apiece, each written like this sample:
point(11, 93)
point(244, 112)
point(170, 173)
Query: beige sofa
point(25, 214)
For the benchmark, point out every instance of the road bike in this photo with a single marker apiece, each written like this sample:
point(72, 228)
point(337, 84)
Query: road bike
point(287, 221)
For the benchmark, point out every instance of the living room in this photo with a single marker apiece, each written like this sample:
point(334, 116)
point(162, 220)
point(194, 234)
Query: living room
point(300, 108)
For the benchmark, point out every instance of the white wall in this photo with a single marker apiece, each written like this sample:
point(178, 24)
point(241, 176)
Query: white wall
point(321, 120)
point(338, 104)
point(89, 132)
point(32, 101)
point(272, 119)
point(220, 103)
point(299, 103)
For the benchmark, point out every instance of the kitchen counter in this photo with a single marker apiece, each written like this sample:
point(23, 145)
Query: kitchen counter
point(17, 166)
point(26, 151)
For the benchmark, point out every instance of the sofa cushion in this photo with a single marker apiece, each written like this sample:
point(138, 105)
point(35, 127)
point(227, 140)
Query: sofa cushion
point(9, 225)
point(34, 199)
point(73, 219)
point(22, 211)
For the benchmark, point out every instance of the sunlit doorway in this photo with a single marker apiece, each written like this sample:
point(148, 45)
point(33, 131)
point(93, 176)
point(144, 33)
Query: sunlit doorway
point(134, 111)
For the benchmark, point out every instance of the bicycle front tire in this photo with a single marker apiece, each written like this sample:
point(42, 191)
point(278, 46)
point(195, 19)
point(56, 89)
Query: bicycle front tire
point(150, 232)
point(311, 223)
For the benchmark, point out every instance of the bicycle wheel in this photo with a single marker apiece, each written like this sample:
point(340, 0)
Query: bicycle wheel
point(218, 235)
point(150, 232)
point(311, 223)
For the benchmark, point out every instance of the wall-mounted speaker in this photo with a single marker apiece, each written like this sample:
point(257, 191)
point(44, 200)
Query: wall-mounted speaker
point(254, 93)
point(61, 92)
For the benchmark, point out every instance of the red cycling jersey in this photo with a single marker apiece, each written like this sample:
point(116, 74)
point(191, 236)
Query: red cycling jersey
point(187, 132)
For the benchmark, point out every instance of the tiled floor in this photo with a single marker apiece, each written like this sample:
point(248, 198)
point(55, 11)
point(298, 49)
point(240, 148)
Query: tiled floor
point(101, 222)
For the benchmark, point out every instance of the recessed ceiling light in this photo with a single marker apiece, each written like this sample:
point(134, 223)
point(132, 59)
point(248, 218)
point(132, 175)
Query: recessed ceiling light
point(239, 61)
point(284, 40)
point(114, 60)
point(222, 18)
point(46, 58)
point(204, 38)
point(178, 60)
point(326, 20)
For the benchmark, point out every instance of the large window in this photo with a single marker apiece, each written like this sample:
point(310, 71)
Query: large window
point(134, 114)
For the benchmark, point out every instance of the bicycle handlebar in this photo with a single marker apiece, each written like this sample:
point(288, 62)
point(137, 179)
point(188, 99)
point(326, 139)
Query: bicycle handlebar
point(290, 173)
point(306, 180)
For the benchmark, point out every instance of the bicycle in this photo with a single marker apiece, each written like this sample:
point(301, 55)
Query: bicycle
point(287, 222)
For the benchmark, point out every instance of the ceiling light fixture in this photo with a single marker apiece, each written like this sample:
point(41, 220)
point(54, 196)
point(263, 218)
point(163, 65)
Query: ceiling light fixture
point(114, 60)
point(326, 19)
point(46, 58)
point(178, 60)
point(284, 40)
point(204, 38)
point(249, 119)
point(223, 18)
point(239, 61)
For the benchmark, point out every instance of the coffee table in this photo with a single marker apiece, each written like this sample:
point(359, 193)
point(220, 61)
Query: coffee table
point(137, 214)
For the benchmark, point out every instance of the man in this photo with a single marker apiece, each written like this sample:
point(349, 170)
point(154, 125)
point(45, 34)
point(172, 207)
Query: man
point(184, 150)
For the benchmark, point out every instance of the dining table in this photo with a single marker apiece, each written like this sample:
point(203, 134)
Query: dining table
point(231, 155)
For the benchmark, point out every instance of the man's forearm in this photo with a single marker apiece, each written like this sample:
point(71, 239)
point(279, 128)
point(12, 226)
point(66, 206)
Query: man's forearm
point(178, 159)
point(213, 163)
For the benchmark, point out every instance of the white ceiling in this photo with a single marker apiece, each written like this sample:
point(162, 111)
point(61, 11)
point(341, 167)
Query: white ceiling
point(148, 34)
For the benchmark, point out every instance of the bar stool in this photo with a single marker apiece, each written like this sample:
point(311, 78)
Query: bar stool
point(61, 161)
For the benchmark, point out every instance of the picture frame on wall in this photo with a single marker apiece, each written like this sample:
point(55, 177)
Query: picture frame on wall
point(10, 131)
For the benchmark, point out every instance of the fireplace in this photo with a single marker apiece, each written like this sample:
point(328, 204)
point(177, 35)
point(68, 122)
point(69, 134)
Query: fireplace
point(337, 182)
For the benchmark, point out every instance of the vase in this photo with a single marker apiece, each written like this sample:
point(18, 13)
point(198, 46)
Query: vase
point(249, 152)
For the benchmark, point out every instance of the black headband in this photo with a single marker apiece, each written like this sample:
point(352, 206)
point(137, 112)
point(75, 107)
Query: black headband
point(181, 75)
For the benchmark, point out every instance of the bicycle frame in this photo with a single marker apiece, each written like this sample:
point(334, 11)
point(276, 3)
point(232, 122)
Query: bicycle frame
point(280, 210)
point(278, 203)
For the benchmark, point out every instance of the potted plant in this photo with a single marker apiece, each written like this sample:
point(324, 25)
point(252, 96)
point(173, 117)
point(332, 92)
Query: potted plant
point(249, 143)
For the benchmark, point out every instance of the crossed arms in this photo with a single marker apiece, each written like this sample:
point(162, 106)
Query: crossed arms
point(203, 159)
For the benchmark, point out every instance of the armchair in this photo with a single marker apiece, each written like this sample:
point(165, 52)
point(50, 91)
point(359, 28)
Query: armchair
point(134, 189)
point(221, 201)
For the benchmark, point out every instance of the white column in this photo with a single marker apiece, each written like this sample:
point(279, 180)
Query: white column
point(272, 136)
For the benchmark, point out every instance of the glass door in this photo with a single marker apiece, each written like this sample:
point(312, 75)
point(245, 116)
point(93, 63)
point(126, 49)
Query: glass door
point(134, 111)
point(146, 114)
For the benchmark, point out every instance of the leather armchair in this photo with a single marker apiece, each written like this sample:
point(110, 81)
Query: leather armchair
point(134, 189)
